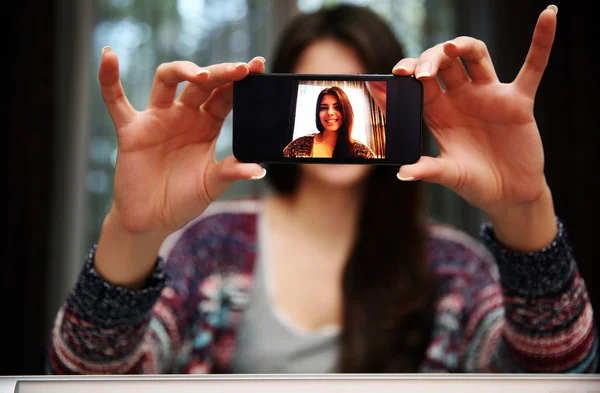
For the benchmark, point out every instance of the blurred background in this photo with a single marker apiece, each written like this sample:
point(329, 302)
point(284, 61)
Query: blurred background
point(62, 144)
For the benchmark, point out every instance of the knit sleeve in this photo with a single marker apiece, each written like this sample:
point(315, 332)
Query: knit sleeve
point(542, 321)
point(105, 329)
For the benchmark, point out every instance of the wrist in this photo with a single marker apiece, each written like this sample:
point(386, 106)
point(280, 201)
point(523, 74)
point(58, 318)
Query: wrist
point(526, 227)
point(123, 257)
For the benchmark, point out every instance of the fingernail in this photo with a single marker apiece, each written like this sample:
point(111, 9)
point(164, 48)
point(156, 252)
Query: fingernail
point(553, 8)
point(423, 69)
point(106, 49)
point(400, 67)
point(409, 178)
point(258, 177)
point(264, 61)
point(239, 65)
point(450, 42)
point(202, 71)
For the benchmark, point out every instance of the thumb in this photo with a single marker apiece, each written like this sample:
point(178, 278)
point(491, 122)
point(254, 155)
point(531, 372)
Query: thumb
point(432, 170)
point(116, 102)
point(222, 175)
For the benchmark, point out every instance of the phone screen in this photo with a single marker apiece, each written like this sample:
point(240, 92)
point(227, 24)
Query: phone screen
point(348, 119)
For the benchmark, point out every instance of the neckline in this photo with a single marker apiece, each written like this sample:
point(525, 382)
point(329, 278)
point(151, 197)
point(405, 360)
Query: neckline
point(280, 315)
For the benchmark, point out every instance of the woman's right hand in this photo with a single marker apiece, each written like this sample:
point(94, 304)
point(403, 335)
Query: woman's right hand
point(166, 172)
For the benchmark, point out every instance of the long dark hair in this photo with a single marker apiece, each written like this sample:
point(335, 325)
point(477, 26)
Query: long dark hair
point(389, 291)
point(343, 142)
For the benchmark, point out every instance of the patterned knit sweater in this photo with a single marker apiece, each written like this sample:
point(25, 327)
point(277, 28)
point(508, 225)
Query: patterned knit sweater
point(302, 147)
point(498, 311)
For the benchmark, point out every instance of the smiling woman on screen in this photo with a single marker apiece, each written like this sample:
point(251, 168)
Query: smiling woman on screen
point(334, 119)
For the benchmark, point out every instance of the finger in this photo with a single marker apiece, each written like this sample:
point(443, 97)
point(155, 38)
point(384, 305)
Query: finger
point(431, 87)
point(224, 173)
point(168, 77)
point(257, 65)
point(433, 170)
point(479, 63)
point(531, 72)
point(118, 105)
point(435, 62)
point(220, 102)
point(405, 67)
point(195, 94)
point(452, 73)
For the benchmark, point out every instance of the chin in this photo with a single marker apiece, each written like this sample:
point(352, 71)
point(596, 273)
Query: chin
point(336, 175)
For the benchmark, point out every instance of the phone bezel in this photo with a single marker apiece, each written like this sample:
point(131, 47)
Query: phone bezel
point(310, 160)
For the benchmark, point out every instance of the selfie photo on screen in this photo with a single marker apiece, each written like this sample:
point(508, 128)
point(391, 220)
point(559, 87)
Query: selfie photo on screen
point(337, 119)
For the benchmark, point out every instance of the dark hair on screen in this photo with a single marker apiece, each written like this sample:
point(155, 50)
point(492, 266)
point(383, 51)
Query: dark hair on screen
point(389, 291)
point(343, 144)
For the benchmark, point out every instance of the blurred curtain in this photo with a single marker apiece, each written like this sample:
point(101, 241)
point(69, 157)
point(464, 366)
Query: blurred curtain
point(47, 138)
point(28, 185)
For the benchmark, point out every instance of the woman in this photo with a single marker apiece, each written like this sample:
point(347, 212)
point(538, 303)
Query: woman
point(338, 269)
point(334, 119)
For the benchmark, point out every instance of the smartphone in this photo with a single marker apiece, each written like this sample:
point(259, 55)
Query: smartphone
point(336, 119)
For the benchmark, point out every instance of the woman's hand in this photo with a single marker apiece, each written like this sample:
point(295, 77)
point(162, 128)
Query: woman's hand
point(491, 152)
point(166, 172)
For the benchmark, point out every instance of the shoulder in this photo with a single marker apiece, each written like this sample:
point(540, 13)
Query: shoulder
point(215, 228)
point(303, 140)
point(458, 258)
point(299, 146)
point(363, 150)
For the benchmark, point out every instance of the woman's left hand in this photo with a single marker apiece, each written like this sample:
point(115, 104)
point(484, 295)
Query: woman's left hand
point(490, 148)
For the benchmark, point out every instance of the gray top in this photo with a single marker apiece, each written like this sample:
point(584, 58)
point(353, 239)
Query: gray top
point(268, 343)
